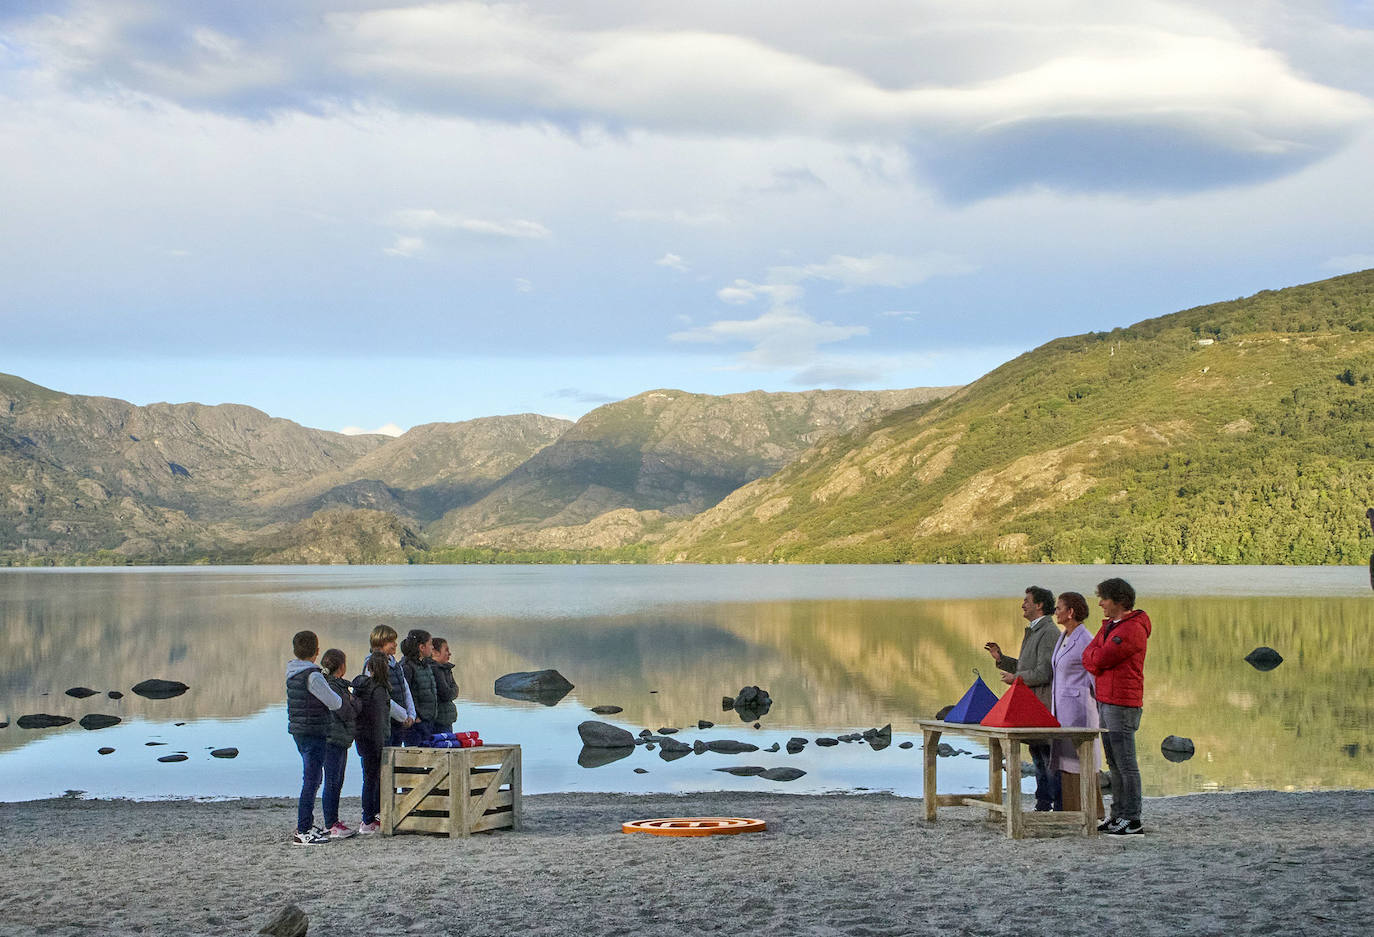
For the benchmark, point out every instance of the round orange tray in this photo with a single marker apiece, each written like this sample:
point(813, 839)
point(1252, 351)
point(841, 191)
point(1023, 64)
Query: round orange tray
point(694, 826)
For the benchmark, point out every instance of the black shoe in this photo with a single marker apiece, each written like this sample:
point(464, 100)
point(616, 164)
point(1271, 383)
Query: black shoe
point(1127, 828)
point(1106, 825)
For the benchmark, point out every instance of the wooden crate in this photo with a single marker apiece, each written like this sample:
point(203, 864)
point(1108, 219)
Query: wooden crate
point(453, 791)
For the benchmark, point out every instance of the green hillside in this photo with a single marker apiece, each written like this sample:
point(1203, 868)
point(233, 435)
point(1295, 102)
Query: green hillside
point(1237, 432)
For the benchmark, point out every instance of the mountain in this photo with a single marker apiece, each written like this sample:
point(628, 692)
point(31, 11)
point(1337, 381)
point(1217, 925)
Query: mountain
point(1236, 432)
point(626, 467)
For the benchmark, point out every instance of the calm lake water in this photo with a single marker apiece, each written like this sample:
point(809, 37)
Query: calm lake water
point(840, 649)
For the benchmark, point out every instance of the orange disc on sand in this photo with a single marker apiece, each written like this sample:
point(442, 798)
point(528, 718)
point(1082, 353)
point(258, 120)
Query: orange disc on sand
point(694, 826)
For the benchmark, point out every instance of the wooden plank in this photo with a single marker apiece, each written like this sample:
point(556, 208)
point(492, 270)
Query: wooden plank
point(950, 800)
point(481, 804)
point(1087, 785)
point(417, 757)
point(931, 740)
point(1054, 818)
point(517, 812)
point(994, 810)
point(1015, 822)
point(414, 824)
point(494, 821)
point(388, 791)
point(994, 775)
point(422, 789)
point(488, 755)
point(440, 803)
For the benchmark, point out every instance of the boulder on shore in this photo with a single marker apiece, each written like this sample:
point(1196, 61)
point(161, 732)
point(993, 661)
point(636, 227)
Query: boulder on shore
point(99, 721)
point(290, 921)
point(534, 686)
point(604, 735)
point(43, 721)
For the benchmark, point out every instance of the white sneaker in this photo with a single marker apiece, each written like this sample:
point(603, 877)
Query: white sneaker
point(311, 837)
point(367, 829)
point(341, 831)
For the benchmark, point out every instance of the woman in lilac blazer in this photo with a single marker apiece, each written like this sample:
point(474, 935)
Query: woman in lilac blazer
point(1074, 702)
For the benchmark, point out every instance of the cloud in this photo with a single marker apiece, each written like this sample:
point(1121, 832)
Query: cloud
point(388, 429)
point(673, 262)
point(741, 292)
point(876, 270)
point(906, 315)
point(674, 216)
point(792, 180)
point(405, 246)
point(428, 219)
point(523, 286)
point(1349, 263)
point(836, 374)
point(986, 98)
point(582, 396)
point(782, 337)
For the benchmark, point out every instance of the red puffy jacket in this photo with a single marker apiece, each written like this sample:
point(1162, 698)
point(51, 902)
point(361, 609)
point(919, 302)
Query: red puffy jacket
point(1116, 657)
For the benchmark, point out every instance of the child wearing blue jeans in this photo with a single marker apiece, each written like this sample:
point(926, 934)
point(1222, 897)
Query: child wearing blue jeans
point(310, 704)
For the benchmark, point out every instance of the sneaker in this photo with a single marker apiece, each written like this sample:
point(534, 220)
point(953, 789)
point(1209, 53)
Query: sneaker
point(311, 837)
point(1106, 825)
point(1127, 828)
point(340, 831)
point(367, 829)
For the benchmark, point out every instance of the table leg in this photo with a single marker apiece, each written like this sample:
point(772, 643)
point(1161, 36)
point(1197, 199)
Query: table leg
point(931, 740)
point(1016, 824)
point(994, 775)
point(1087, 784)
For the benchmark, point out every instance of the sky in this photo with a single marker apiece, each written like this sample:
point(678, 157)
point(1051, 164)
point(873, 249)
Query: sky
point(364, 215)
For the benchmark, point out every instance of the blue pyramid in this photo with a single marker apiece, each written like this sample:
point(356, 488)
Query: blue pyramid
point(974, 705)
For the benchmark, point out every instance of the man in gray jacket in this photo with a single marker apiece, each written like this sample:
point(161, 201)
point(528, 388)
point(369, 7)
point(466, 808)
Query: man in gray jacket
point(1035, 666)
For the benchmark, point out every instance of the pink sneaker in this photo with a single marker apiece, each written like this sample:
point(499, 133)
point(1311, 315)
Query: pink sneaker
point(367, 829)
point(339, 831)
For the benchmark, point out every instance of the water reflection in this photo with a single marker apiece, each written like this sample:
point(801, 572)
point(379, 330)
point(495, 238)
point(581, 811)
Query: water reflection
point(665, 645)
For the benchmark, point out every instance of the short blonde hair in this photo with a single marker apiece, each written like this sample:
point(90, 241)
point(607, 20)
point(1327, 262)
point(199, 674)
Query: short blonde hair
point(382, 635)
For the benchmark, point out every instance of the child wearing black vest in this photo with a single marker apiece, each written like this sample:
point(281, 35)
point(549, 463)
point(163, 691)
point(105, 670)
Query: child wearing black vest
point(445, 686)
point(309, 704)
point(383, 641)
point(372, 690)
point(338, 742)
point(416, 651)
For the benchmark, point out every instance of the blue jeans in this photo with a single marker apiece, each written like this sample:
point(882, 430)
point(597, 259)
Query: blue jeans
point(1047, 793)
point(335, 763)
point(371, 757)
point(312, 752)
point(1121, 723)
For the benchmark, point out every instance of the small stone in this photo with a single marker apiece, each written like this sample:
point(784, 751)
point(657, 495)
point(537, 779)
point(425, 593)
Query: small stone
point(115, 694)
point(668, 731)
point(827, 742)
point(99, 721)
point(783, 774)
point(43, 721)
point(641, 770)
point(607, 710)
point(698, 746)
point(906, 745)
point(758, 725)
point(178, 723)
point(160, 689)
point(225, 753)
point(730, 746)
point(1176, 749)
point(290, 921)
point(795, 745)
point(946, 750)
point(645, 733)
point(649, 745)
point(107, 750)
point(604, 735)
point(727, 703)
point(773, 748)
point(944, 711)
point(171, 758)
point(81, 692)
point(151, 744)
point(743, 771)
point(1264, 659)
point(671, 744)
point(703, 724)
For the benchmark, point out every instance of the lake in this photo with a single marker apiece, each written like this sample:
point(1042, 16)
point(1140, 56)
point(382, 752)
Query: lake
point(840, 649)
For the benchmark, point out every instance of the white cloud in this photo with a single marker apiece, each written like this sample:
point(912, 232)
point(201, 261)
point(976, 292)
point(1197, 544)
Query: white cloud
point(523, 286)
point(876, 270)
point(782, 337)
point(1349, 263)
point(405, 246)
point(388, 429)
point(428, 219)
point(673, 262)
point(674, 216)
point(743, 291)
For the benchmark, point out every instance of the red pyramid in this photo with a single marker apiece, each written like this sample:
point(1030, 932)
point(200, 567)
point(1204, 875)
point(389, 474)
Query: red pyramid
point(1020, 708)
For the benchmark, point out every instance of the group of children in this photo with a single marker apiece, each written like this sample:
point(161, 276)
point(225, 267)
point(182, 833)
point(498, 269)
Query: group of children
point(391, 702)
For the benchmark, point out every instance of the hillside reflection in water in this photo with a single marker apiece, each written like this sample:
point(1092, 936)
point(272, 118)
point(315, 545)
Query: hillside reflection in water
point(840, 649)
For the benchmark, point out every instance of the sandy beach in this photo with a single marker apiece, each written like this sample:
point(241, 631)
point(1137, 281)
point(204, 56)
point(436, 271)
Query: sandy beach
point(1224, 864)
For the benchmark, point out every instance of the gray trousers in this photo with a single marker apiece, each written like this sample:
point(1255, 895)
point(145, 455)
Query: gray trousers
point(1121, 723)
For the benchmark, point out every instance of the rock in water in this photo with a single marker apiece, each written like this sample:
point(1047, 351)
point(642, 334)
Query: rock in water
point(107, 750)
point(946, 750)
point(81, 692)
point(170, 758)
point(944, 711)
point(225, 753)
point(1176, 748)
point(907, 745)
point(826, 741)
point(703, 724)
point(43, 721)
point(673, 754)
point(115, 694)
point(783, 774)
point(160, 689)
point(607, 710)
point(99, 721)
point(641, 770)
point(534, 686)
point(743, 771)
point(4, 723)
point(290, 921)
point(591, 757)
point(730, 746)
point(604, 735)
point(669, 731)
point(752, 703)
point(698, 746)
point(1264, 659)
point(672, 745)
point(727, 703)
point(773, 748)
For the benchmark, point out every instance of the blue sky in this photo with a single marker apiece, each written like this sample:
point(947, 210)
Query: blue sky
point(355, 213)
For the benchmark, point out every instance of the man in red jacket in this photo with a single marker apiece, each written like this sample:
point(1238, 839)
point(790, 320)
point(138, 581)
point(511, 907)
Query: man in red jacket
point(1116, 657)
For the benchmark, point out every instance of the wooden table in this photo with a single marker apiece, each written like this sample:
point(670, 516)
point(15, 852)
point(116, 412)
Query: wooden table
point(1007, 742)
